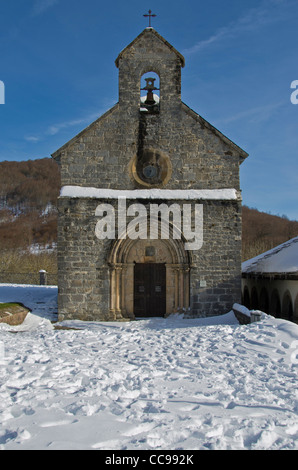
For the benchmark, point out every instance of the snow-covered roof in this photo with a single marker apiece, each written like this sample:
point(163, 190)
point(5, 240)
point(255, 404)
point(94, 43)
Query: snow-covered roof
point(281, 259)
point(194, 194)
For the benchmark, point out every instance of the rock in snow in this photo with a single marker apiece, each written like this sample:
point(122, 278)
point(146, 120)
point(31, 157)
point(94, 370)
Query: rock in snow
point(152, 384)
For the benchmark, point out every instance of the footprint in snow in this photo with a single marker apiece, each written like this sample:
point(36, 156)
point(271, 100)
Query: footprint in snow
point(50, 424)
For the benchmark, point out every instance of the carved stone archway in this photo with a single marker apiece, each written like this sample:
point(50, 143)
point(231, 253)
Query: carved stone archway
point(123, 257)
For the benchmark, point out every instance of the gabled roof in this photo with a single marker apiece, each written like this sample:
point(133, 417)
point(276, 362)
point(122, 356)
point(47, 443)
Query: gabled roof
point(243, 155)
point(57, 154)
point(282, 259)
point(150, 31)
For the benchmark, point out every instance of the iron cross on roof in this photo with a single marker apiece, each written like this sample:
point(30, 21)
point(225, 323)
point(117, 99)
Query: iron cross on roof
point(150, 15)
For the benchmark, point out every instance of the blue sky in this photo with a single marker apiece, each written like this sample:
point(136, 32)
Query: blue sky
point(57, 64)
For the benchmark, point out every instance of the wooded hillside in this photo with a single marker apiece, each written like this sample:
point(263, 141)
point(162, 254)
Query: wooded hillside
point(262, 231)
point(28, 215)
point(28, 200)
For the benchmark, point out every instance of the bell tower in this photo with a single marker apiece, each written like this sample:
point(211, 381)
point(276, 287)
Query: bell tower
point(150, 52)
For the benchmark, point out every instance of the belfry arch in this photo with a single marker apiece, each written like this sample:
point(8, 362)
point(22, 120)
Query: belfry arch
point(150, 92)
point(126, 254)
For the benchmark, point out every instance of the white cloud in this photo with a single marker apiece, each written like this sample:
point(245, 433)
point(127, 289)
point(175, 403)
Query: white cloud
point(269, 11)
point(256, 115)
point(54, 129)
point(40, 6)
point(32, 138)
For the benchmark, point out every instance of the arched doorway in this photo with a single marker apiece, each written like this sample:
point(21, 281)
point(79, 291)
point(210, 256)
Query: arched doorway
point(264, 300)
point(246, 298)
point(148, 277)
point(275, 307)
point(254, 299)
point(295, 317)
point(287, 306)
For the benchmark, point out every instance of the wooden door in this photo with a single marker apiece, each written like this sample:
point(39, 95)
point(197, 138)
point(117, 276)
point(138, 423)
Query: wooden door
point(149, 290)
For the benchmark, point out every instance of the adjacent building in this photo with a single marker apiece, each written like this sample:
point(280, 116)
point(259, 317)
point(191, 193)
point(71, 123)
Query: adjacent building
point(270, 281)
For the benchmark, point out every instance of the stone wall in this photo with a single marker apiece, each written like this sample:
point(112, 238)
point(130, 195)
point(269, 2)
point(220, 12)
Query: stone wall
point(83, 276)
point(85, 265)
point(101, 156)
point(216, 272)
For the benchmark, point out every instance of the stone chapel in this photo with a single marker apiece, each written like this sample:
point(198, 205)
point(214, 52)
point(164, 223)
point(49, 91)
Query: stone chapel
point(149, 151)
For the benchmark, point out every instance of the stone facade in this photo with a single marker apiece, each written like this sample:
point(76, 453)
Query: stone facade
point(134, 147)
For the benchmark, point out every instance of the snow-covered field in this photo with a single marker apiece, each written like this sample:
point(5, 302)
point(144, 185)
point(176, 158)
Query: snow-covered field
point(151, 384)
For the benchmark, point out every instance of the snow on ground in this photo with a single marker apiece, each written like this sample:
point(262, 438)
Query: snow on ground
point(152, 384)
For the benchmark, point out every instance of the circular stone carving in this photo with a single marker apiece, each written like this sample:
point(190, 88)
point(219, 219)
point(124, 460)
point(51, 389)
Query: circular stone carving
point(151, 169)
